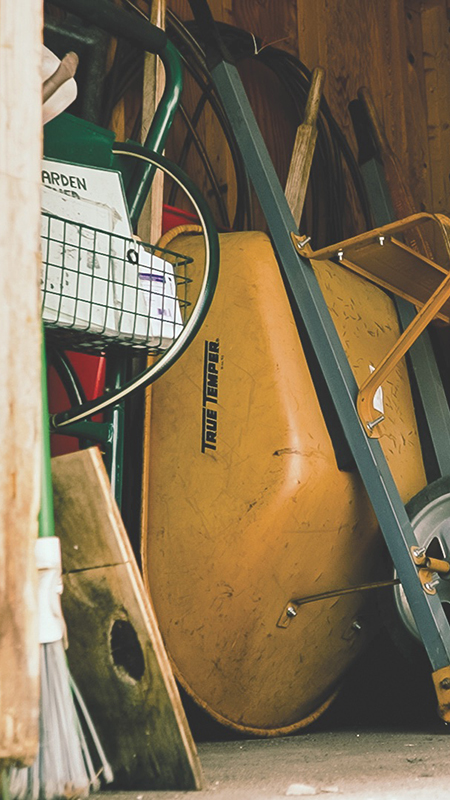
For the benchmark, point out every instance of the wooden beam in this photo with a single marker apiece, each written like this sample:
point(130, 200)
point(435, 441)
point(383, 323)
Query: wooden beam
point(149, 228)
point(20, 405)
point(150, 223)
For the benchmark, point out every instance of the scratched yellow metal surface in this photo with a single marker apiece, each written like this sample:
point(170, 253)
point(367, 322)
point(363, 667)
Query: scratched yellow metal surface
point(263, 516)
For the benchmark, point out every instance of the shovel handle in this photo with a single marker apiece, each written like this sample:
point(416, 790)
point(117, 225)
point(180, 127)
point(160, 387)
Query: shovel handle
point(304, 145)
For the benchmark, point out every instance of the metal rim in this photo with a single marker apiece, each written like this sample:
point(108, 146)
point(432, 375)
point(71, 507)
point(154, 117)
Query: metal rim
point(431, 526)
point(209, 282)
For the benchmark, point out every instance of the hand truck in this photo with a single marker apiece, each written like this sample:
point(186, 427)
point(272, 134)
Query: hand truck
point(360, 421)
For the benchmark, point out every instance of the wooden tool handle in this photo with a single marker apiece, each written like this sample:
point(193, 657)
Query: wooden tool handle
point(314, 95)
point(302, 154)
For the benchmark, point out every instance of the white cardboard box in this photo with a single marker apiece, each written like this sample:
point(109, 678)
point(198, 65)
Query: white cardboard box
point(150, 309)
point(101, 281)
point(78, 289)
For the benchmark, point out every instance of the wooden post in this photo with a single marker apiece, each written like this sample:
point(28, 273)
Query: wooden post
point(154, 78)
point(20, 404)
point(150, 222)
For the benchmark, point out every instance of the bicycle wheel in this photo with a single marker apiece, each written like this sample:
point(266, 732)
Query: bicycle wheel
point(198, 290)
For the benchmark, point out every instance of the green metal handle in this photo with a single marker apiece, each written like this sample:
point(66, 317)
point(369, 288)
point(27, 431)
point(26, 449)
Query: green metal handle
point(46, 516)
point(154, 40)
point(155, 141)
point(118, 22)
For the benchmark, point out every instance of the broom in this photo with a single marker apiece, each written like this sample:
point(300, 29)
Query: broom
point(63, 767)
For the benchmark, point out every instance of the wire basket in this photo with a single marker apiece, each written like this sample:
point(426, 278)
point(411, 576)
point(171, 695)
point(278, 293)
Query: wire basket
point(101, 289)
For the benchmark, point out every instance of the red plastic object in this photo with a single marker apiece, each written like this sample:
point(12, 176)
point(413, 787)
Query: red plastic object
point(172, 217)
point(91, 373)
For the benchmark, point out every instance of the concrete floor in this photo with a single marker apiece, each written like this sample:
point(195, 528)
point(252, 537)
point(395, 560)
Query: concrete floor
point(380, 740)
point(383, 765)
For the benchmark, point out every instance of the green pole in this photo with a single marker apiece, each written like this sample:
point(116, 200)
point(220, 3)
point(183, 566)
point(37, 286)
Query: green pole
point(46, 516)
point(155, 141)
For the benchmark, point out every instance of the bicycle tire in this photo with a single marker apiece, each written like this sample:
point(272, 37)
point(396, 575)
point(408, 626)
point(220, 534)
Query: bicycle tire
point(62, 419)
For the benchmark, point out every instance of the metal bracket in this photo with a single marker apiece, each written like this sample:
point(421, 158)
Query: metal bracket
point(441, 680)
point(421, 558)
point(406, 273)
point(428, 579)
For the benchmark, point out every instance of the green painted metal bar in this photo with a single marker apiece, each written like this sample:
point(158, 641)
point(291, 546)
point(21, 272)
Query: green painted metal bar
point(156, 138)
point(99, 432)
point(46, 515)
point(116, 368)
point(307, 300)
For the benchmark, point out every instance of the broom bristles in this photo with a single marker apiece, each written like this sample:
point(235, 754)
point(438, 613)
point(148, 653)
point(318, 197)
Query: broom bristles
point(63, 767)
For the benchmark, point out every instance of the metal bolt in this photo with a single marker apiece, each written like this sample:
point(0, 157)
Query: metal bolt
point(445, 684)
point(291, 612)
point(356, 625)
point(372, 425)
point(340, 255)
point(419, 552)
point(381, 240)
point(303, 242)
point(429, 586)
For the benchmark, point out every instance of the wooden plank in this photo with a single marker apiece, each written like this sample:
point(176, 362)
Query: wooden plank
point(436, 59)
point(274, 23)
point(416, 109)
point(20, 406)
point(116, 653)
point(401, 197)
point(149, 228)
point(150, 222)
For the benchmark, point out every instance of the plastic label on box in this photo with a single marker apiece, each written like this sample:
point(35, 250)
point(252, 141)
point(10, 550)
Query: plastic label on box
point(103, 188)
point(150, 308)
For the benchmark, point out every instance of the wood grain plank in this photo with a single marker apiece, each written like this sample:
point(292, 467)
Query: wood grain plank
point(273, 23)
point(20, 404)
point(115, 651)
point(436, 59)
point(416, 111)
